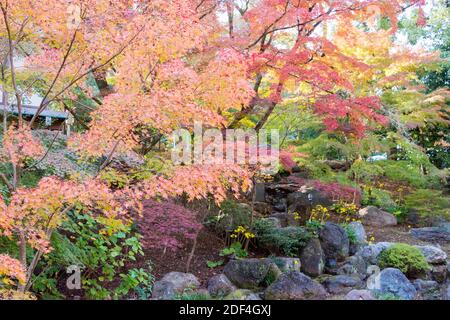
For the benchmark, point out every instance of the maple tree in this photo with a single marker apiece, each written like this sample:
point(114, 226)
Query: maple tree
point(169, 63)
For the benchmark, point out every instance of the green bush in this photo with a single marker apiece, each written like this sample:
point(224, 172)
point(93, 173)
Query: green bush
point(326, 147)
point(232, 215)
point(378, 197)
point(315, 169)
point(362, 171)
point(285, 240)
point(406, 171)
point(429, 203)
point(406, 258)
point(101, 248)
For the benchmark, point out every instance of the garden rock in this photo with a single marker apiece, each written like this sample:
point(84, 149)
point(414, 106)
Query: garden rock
point(354, 265)
point(359, 295)
point(334, 242)
point(372, 252)
point(433, 255)
point(251, 273)
point(428, 290)
point(342, 284)
point(439, 273)
point(172, 284)
point(360, 237)
point(280, 205)
point(262, 207)
point(392, 281)
point(312, 258)
point(129, 160)
point(432, 234)
point(220, 286)
point(243, 294)
point(375, 217)
point(295, 286)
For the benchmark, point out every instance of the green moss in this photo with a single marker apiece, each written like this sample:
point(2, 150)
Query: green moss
point(406, 258)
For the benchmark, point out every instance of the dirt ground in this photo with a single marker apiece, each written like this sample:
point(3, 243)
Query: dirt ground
point(401, 234)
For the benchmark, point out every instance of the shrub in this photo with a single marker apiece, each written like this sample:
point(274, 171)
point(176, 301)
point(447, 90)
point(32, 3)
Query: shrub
point(362, 171)
point(101, 249)
point(235, 249)
point(429, 203)
point(408, 172)
point(316, 169)
point(352, 237)
point(164, 224)
point(232, 215)
point(114, 178)
point(286, 240)
point(377, 197)
point(406, 258)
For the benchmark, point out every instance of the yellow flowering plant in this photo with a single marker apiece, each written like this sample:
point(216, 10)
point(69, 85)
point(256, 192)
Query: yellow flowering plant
point(243, 235)
point(346, 211)
point(319, 213)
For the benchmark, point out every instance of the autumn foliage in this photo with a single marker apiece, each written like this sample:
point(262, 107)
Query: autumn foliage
point(167, 64)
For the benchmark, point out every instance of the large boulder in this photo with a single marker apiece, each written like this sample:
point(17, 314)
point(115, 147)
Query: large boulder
point(251, 273)
point(360, 237)
point(392, 281)
point(334, 242)
point(428, 290)
point(312, 258)
point(220, 286)
point(433, 255)
point(342, 284)
point(359, 295)
point(372, 252)
point(375, 217)
point(295, 285)
point(432, 234)
point(173, 284)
